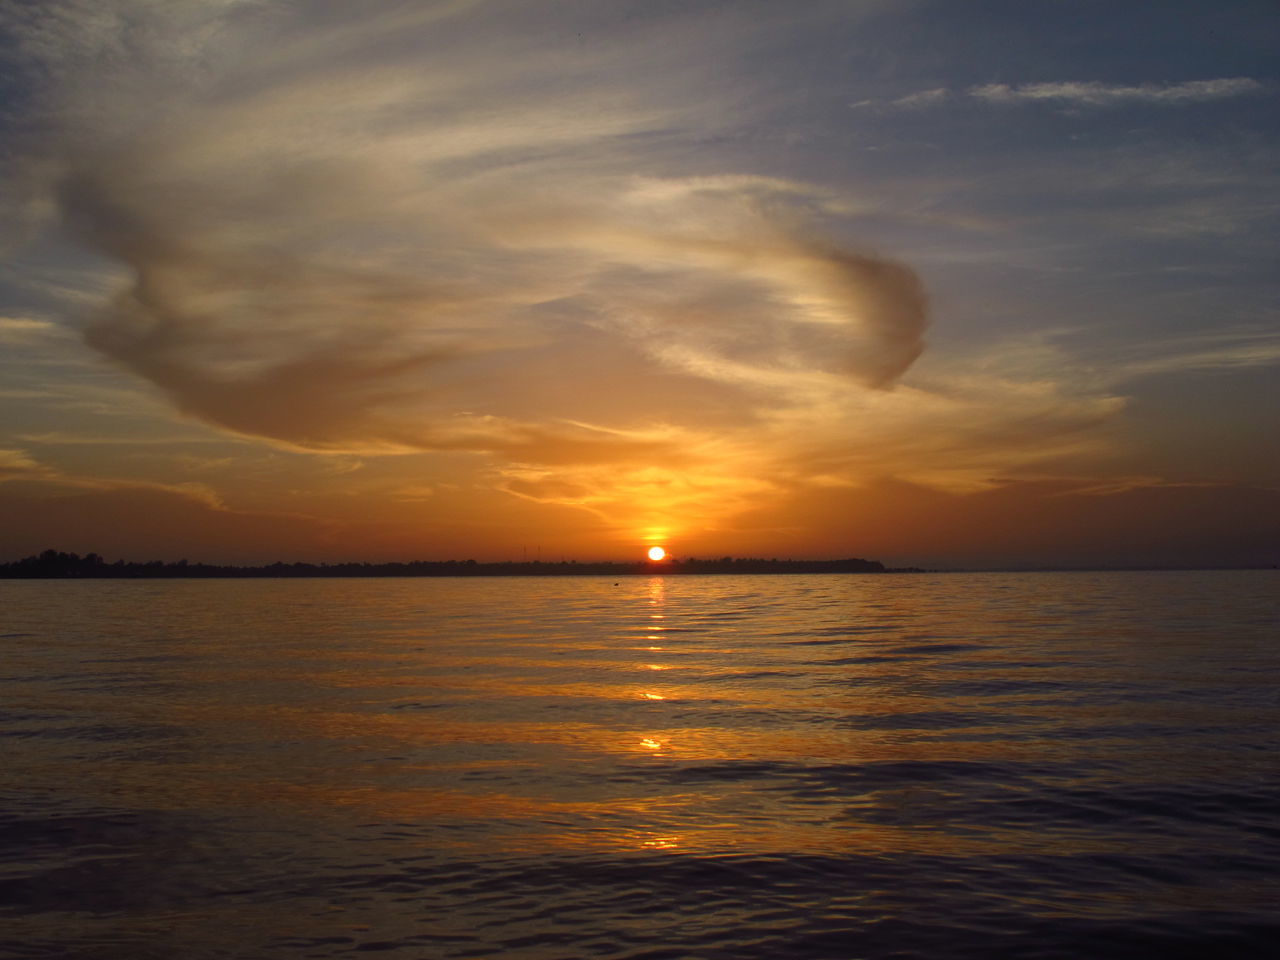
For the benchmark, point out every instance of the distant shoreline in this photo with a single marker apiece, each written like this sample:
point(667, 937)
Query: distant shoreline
point(64, 566)
point(52, 565)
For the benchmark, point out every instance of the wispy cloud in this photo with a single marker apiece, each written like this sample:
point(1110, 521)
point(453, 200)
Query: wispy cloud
point(43, 505)
point(25, 330)
point(911, 101)
point(64, 438)
point(1095, 94)
point(1218, 350)
point(19, 465)
point(1076, 94)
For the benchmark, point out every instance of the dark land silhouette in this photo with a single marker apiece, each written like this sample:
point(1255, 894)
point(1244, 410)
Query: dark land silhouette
point(53, 564)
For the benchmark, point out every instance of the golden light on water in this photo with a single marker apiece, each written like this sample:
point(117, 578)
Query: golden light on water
point(657, 553)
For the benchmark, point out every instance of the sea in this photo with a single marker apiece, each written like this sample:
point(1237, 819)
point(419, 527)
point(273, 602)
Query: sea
point(821, 767)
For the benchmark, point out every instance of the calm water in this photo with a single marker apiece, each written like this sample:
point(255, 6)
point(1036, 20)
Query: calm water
point(1026, 765)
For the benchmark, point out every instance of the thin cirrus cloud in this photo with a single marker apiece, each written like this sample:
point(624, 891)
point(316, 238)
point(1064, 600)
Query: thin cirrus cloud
point(1080, 93)
point(1094, 94)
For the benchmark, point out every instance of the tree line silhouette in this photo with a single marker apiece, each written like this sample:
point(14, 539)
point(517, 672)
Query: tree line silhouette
point(53, 564)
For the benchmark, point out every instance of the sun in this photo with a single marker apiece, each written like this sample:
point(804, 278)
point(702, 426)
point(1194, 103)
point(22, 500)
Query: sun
point(656, 553)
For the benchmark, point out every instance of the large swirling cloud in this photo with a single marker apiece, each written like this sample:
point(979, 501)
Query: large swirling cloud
point(421, 233)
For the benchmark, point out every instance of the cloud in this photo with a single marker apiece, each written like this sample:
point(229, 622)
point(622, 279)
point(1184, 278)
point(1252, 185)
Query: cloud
point(142, 522)
point(21, 331)
point(19, 465)
point(1078, 93)
point(352, 254)
point(911, 101)
point(921, 99)
point(423, 232)
point(65, 438)
point(1215, 350)
point(43, 505)
point(1096, 94)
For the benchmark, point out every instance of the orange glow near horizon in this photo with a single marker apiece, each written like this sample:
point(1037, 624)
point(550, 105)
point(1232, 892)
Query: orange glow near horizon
point(656, 554)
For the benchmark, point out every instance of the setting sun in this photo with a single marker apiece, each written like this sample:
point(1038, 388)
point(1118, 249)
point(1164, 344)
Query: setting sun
point(656, 553)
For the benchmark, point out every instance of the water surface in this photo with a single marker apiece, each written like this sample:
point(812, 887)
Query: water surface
point(839, 766)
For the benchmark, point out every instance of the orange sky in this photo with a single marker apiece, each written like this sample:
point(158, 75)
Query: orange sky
point(497, 280)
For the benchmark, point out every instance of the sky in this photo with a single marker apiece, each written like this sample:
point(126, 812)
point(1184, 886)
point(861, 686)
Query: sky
point(958, 285)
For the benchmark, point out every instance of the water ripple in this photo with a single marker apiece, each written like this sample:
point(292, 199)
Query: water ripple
point(727, 768)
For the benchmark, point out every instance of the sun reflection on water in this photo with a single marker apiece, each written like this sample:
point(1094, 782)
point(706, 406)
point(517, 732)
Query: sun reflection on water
point(858, 731)
point(661, 843)
point(657, 591)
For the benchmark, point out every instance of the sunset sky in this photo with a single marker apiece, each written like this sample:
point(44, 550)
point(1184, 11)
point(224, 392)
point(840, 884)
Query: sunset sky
point(958, 284)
